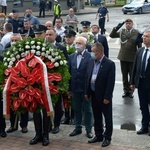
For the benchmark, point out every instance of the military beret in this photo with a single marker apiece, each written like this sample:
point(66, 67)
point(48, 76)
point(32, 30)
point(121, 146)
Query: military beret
point(23, 31)
point(128, 20)
point(39, 28)
point(15, 11)
point(85, 23)
point(69, 32)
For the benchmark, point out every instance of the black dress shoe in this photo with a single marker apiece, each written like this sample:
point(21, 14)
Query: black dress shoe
point(142, 131)
point(65, 121)
point(130, 95)
point(35, 140)
point(55, 130)
point(89, 134)
point(24, 130)
point(3, 134)
point(105, 143)
point(125, 95)
point(95, 139)
point(45, 141)
point(75, 132)
point(11, 129)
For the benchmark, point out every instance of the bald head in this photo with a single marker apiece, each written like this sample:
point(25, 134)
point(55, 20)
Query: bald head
point(49, 24)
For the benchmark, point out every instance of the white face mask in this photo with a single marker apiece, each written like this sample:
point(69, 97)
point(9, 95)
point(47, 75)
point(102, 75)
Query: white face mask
point(79, 48)
point(12, 43)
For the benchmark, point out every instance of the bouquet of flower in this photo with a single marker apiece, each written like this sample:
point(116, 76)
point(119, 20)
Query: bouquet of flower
point(35, 73)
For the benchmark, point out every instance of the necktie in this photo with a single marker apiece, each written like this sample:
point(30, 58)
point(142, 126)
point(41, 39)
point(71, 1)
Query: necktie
point(144, 63)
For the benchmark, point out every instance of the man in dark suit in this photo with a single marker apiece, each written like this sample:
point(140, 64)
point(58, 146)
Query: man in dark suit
point(129, 46)
point(77, 67)
point(100, 80)
point(100, 38)
point(140, 79)
point(51, 39)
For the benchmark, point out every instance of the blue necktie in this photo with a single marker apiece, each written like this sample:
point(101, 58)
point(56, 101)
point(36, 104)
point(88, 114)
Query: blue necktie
point(144, 63)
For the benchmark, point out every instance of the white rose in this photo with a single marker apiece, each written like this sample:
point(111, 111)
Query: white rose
point(50, 49)
point(13, 59)
point(8, 53)
point(65, 62)
point(46, 55)
point(5, 64)
point(27, 43)
point(47, 52)
point(33, 51)
point(27, 52)
point(56, 58)
point(61, 62)
point(56, 53)
point(9, 66)
point(4, 58)
point(12, 55)
point(43, 54)
point(59, 57)
point(38, 47)
point(52, 60)
point(49, 57)
point(8, 59)
point(43, 48)
point(20, 49)
point(56, 64)
point(38, 43)
point(22, 54)
point(32, 42)
point(14, 49)
point(18, 56)
point(11, 63)
point(38, 53)
point(27, 47)
point(44, 44)
point(33, 47)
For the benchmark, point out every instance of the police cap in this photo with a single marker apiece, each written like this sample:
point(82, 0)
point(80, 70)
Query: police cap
point(15, 11)
point(69, 33)
point(85, 24)
point(23, 32)
point(39, 28)
point(102, 2)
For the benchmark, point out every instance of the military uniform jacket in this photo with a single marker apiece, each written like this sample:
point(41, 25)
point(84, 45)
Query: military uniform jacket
point(128, 43)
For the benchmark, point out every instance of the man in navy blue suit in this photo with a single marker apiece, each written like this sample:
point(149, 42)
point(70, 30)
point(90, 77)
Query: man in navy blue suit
point(77, 67)
point(100, 38)
point(140, 79)
point(100, 80)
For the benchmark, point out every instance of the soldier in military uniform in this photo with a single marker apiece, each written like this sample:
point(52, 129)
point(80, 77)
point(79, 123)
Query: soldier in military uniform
point(41, 121)
point(69, 42)
point(127, 52)
point(102, 13)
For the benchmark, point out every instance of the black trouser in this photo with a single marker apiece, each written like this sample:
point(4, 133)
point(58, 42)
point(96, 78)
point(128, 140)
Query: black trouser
point(126, 69)
point(42, 10)
point(41, 123)
point(58, 112)
point(2, 119)
point(144, 100)
point(100, 110)
point(101, 23)
point(23, 119)
point(4, 9)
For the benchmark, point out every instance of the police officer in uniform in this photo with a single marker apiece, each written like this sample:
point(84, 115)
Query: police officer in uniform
point(41, 121)
point(102, 13)
point(69, 42)
point(85, 26)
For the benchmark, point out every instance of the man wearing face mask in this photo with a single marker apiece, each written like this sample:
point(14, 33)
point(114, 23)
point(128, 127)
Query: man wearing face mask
point(77, 67)
point(100, 80)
